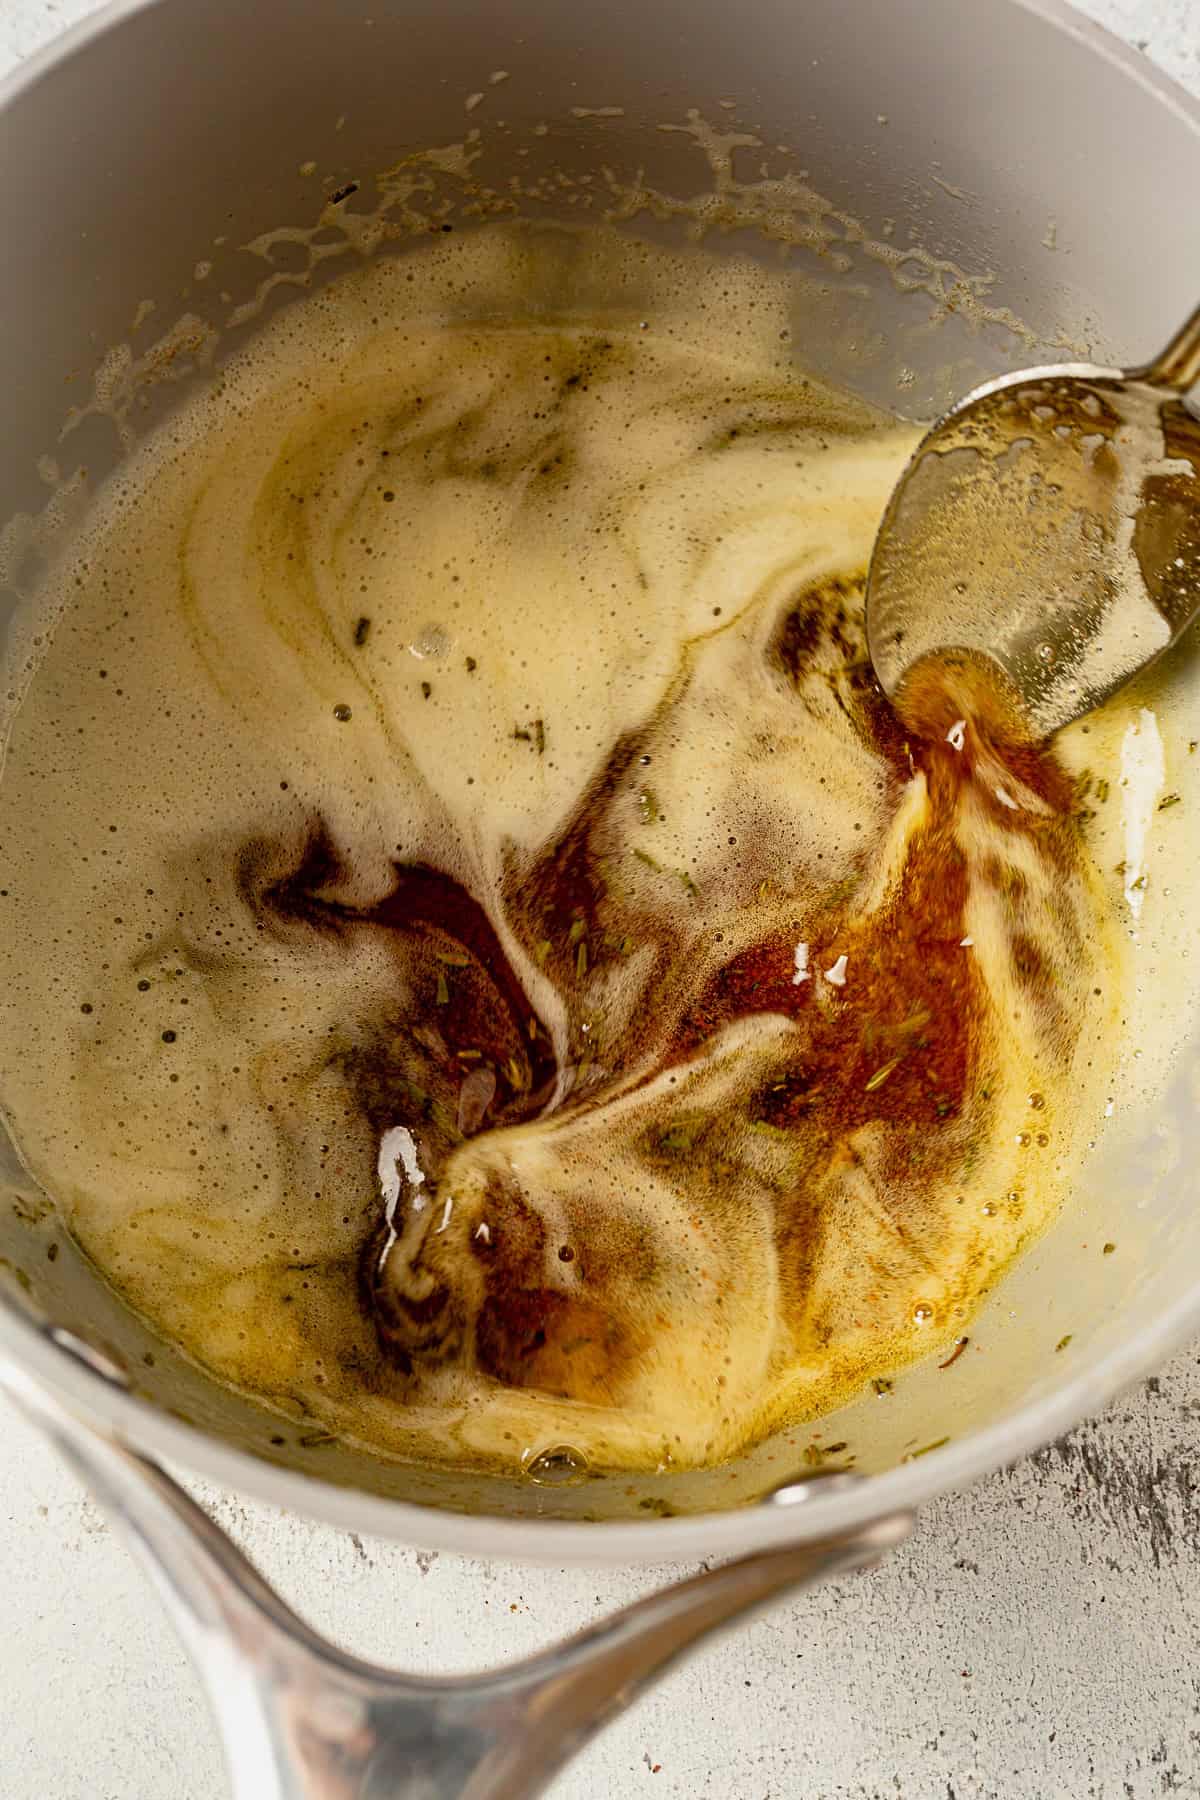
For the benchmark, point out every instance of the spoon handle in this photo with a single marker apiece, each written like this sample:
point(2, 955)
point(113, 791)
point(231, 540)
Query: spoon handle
point(1177, 366)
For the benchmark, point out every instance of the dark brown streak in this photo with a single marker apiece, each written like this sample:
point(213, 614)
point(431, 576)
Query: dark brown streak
point(423, 899)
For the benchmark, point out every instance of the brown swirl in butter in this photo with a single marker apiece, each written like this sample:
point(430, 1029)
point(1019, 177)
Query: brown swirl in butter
point(874, 1089)
point(503, 975)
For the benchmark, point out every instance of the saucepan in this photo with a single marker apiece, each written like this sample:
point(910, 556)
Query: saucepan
point(962, 189)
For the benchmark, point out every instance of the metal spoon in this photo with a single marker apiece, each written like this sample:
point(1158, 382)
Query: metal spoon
point(1050, 521)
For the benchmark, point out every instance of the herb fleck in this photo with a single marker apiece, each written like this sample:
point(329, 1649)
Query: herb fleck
point(881, 1074)
point(535, 735)
point(765, 1128)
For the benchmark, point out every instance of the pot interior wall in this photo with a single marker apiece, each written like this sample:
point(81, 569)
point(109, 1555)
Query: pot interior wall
point(1026, 168)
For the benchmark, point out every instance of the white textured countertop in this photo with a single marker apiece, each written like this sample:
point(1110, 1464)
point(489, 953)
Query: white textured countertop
point(1040, 1638)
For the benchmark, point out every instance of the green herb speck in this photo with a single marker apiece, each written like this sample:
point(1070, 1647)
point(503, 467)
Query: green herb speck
point(926, 1448)
point(880, 1076)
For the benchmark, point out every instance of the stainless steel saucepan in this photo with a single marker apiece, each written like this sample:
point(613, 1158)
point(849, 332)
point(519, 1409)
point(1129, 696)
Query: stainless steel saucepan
point(1002, 160)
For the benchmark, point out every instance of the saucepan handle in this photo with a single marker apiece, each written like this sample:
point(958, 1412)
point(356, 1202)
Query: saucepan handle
point(301, 1720)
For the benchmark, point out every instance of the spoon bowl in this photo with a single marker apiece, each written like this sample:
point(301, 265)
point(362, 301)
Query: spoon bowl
point(1051, 522)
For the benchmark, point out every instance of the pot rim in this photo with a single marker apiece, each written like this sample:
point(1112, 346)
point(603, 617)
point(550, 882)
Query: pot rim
point(1017, 1433)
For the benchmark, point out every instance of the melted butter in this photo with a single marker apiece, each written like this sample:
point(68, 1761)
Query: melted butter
point(457, 726)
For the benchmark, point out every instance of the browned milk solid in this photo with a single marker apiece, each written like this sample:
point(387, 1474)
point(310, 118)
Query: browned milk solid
point(452, 854)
